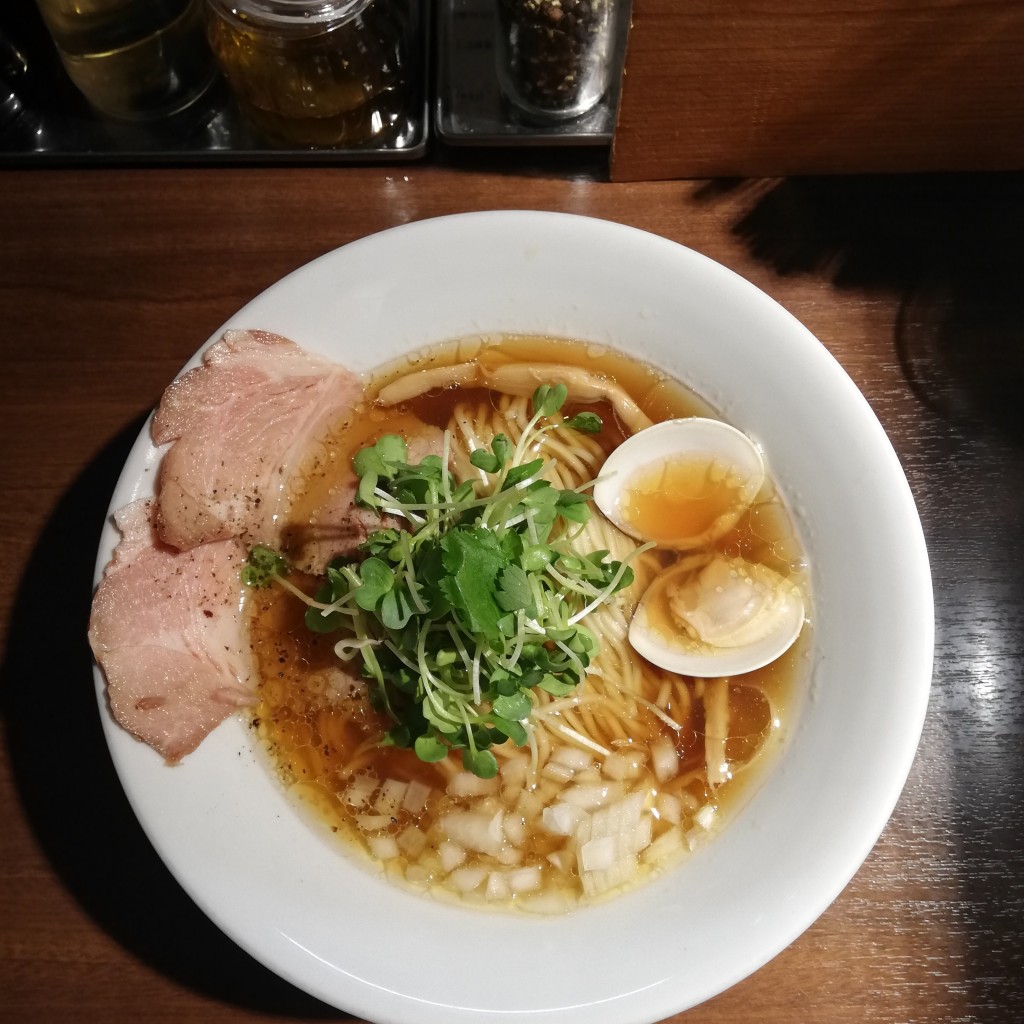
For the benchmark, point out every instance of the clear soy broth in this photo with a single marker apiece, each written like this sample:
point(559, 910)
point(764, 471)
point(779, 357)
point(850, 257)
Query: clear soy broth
point(322, 733)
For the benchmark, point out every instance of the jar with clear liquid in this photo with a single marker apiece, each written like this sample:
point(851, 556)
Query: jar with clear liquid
point(132, 59)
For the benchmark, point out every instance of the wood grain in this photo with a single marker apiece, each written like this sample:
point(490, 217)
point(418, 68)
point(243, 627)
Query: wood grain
point(745, 87)
point(109, 280)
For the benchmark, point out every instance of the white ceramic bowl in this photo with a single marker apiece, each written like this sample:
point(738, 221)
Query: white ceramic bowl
point(285, 894)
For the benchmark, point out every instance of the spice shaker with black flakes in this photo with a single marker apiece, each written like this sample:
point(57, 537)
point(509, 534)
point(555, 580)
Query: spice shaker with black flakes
point(555, 58)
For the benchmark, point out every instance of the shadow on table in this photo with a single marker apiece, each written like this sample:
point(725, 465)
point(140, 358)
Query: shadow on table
point(66, 781)
point(949, 248)
point(948, 245)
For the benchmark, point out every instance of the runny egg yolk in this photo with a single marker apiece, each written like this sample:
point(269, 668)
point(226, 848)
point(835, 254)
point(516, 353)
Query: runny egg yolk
point(680, 498)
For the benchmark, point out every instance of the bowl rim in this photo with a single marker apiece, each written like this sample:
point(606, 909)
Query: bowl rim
point(419, 263)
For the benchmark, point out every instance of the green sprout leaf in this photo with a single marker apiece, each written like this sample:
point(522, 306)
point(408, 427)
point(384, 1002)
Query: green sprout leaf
point(262, 566)
point(548, 399)
point(515, 707)
point(475, 601)
point(389, 451)
point(377, 580)
point(430, 748)
point(480, 762)
point(585, 423)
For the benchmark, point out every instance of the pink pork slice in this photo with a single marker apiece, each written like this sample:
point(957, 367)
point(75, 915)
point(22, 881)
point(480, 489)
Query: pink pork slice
point(241, 423)
point(166, 630)
point(340, 525)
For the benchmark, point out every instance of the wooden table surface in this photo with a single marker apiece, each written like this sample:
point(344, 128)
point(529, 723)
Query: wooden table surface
point(110, 279)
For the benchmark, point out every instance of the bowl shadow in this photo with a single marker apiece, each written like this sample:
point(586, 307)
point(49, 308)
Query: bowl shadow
point(946, 246)
point(94, 843)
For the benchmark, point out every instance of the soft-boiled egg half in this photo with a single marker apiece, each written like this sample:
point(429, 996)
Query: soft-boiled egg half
point(683, 484)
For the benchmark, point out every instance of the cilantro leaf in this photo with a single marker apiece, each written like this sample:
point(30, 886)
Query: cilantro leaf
point(473, 560)
point(514, 591)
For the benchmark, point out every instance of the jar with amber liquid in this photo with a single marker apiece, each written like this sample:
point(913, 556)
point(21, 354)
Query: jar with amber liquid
point(317, 73)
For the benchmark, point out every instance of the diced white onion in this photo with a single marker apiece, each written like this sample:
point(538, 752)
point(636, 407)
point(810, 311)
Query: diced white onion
point(598, 854)
point(668, 844)
point(509, 855)
point(705, 817)
point(529, 804)
point(620, 765)
point(525, 879)
point(607, 842)
point(664, 759)
point(641, 835)
point(373, 822)
point(560, 860)
point(572, 758)
point(383, 847)
point(468, 784)
point(495, 827)
point(451, 854)
point(360, 790)
point(548, 790)
point(515, 828)
point(390, 797)
point(590, 796)
point(412, 841)
point(497, 886)
point(341, 685)
point(513, 771)
point(557, 772)
point(670, 808)
point(475, 831)
point(561, 819)
point(468, 878)
point(416, 797)
point(689, 801)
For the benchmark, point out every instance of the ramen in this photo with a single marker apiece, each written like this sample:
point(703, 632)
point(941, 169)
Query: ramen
point(571, 793)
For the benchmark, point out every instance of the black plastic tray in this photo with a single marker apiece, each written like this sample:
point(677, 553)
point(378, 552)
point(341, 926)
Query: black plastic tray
point(43, 118)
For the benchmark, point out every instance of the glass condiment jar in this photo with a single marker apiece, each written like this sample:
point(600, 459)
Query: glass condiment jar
point(316, 73)
point(556, 58)
point(132, 59)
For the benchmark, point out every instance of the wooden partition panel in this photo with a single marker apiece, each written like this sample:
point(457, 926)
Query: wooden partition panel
point(772, 87)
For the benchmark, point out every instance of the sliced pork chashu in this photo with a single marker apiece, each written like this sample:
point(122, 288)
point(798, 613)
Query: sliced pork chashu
point(166, 630)
point(240, 425)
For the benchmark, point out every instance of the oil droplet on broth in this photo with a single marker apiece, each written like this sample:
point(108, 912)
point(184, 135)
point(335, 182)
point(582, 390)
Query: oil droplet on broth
point(680, 498)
